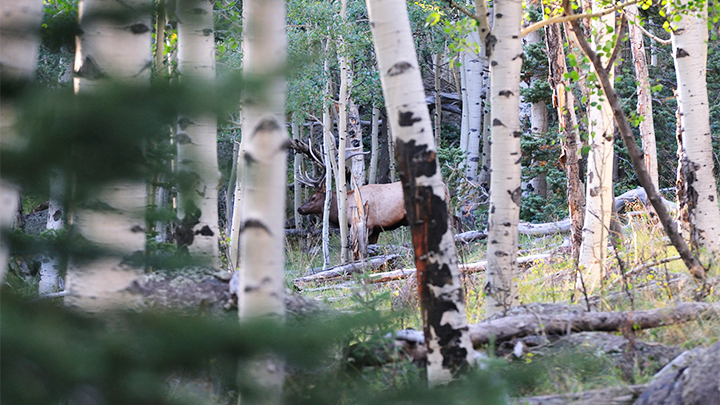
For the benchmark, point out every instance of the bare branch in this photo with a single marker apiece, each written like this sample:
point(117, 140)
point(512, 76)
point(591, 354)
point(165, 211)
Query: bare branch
point(572, 17)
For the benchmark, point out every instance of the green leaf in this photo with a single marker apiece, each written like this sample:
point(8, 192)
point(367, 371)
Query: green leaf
point(432, 19)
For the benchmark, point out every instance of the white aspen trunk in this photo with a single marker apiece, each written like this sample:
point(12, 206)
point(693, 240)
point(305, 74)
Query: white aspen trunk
point(197, 135)
point(599, 192)
point(262, 236)
point(464, 122)
point(473, 80)
point(20, 23)
point(485, 162)
point(644, 103)
point(107, 48)
point(262, 253)
point(538, 121)
point(374, 146)
point(297, 187)
point(235, 225)
point(440, 288)
point(340, 182)
point(356, 145)
point(698, 196)
point(50, 267)
point(505, 190)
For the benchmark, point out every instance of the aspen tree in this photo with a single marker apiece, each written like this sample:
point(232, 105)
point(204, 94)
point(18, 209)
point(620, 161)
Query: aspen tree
point(564, 102)
point(374, 145)
point(644, 102)
point(114, 43)
point(505, 53)
point(19, 26)
point(340, 182)
point(197, 135)
point(697, 192)
point(473, 78)
point(599, 192)
point(265, 140)
point(440, 289)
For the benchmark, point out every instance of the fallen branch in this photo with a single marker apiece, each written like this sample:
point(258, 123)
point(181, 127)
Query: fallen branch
point(503, 329)
point(372, 263)
point(524, 228)
point(468, 268)
point(606, 396)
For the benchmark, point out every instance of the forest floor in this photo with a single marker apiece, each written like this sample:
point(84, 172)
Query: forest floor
point(654, 278)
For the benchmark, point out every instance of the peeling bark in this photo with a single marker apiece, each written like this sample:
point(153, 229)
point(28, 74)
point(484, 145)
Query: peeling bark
point(564, 102)
point(439, 287)
point(697, 191)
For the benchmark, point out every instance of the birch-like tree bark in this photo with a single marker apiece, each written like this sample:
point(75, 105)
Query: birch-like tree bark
point(538, 121)
point(697, 192)
point(328, 145)
point(473, 75)
point(19, 26)
point(50, 268)
point(505, 55)
point(644, 102)
point(262, 236)
point(374, 151)
point(564, 102)
point(354, 131)
point(197, 136)
point(340, 183)
point(464, 122)
point(599, 192)
point(115, 43)
point(439, 286)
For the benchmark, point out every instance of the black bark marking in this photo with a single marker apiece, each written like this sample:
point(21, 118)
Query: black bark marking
point(57, 215)
point(681, 53)
point(399, 68)
point(500, 254)
point(139, 28)
point(184, 122)
point(416, 160)
point(498, 15)
point(89, 70)
point(494, 63)
point(497, 123)
point(137, 229)
point(266, 125)
point(183, 139)
point(490, 42)
point(506, 93)
point(205, 231)
point(249, 159)
point(517, 134)
point(207, 32)
point(595, 191)
point(407, 119)
point(475, 159)
point(516, 195)
point(254, 223)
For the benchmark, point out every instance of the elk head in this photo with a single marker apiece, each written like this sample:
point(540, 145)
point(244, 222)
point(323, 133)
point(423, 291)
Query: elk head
point(316, 202)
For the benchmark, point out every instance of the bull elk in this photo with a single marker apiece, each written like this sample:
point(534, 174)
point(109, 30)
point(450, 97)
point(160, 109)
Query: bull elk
point(385, 203)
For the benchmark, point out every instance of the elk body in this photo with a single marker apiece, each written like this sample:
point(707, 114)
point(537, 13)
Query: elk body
point(385, 206)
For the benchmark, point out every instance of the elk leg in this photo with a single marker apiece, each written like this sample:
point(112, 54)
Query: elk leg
point(373, 236)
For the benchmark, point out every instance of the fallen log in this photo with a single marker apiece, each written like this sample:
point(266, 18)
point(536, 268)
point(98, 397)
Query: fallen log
point(467, 268)
point(372, 263)
point(524, 228)
point(510, 327)
point(606, 396)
